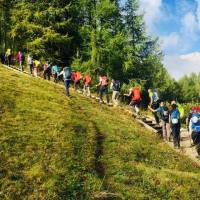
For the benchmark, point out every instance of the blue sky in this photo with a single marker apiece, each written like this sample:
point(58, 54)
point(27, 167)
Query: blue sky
point(177, 23)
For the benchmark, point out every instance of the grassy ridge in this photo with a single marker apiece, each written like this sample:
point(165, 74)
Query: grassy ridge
point(54, 147)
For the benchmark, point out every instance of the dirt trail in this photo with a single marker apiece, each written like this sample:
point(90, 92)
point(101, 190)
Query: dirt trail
point(186, 146)
point(186, 142)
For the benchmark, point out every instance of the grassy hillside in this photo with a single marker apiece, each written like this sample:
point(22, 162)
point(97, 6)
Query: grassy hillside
point(54, 147)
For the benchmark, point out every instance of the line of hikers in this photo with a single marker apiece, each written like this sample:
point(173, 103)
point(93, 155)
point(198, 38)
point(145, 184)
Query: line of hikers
point(169, 118)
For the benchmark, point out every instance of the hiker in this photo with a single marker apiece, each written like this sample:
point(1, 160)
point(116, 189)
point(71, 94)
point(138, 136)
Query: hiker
point(164, 115)
point(55, 73)
point(154, 103)
point(47, 70)
point(36, 64)
point(87, 83)
point(97, 89)
point(115, 86)
point(175, 125)
point(195, 127)
point(19, 58)
point(135, 94)
point(2, 58)
point(73, 76)
point(179, 107)
point(77, 81)
point(103, 84)
point(30, 63)
point(188, 119)
point(66, 72)
point(8, 57)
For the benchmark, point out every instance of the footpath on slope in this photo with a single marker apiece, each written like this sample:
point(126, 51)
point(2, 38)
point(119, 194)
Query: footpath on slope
point(148, 122)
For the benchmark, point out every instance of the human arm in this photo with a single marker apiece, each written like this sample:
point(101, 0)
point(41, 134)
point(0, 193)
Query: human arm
point(152, 110)
point(128, 94)
point(61, 73)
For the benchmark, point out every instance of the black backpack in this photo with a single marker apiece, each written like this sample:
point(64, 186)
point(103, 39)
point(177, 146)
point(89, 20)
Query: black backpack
point(165, 114)
point(116, 86)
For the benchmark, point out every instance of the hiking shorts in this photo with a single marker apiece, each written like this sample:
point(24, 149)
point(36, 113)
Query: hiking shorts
point(67, 83)
point(104, 89)
point(134, 103)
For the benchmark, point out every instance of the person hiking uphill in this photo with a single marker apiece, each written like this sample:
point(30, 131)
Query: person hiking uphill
point(19, 58)
point(135, 94)
point(103, 83)
point(8, 56)
point(55, 73)
point(195, 128)
point(164, 115)
point(175, 125)
point(87, 83)
point(36, 65)
point(30, 63)
point(66, 72)
point(154, 103)
point(47, 70)
point(77, 82)
point(192, 111)
point(115, 86)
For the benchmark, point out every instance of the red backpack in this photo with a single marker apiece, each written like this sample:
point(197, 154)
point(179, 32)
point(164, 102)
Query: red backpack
point(88, 79)
point(78, 76)
point(136, 94)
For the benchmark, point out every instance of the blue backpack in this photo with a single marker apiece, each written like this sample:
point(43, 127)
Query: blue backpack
point(196, 122)
point(67, 71)
point(175, 116)
point(155, 96)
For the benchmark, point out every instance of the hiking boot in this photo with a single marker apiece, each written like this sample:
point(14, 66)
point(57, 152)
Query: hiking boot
point(198, 156)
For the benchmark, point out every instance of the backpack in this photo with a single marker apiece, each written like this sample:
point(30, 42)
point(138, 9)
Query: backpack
point(116, 86)
point(196, 122)
point(155, 97)
point(136, 94)
point(78, 76)
point(165, 114)
point(67, 73)
point(175, 116)
point(73, 76)
point(88, 79)
point(181, 110)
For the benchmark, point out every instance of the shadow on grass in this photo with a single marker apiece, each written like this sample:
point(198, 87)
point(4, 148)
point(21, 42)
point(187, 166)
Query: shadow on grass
point(99, 166)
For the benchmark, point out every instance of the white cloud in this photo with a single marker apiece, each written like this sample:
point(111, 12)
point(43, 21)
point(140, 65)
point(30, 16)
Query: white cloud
point(170, 41)
point(179, 66)
point(152, 12)
point(189, 24)
point(180, 40)
point(198, 13)
point(193, 57)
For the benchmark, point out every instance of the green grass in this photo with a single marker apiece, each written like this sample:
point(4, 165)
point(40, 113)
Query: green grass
point(54, 147)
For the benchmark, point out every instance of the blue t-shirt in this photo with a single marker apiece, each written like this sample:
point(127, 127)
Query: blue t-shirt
point(160, 109)
point(55, 69)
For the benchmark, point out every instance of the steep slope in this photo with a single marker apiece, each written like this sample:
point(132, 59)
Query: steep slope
point(54, 147)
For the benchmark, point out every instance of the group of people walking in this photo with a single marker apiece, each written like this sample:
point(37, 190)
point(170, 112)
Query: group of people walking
point(169, 117)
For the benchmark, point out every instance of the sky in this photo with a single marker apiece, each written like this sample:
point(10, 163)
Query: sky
point(177, 24)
